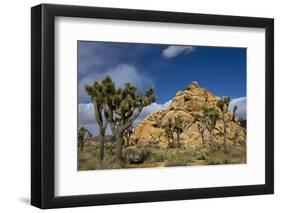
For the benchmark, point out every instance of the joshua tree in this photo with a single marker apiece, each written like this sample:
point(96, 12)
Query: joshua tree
point(97, 94)
point(223, 105)
point(154, 140)
point(198, 119)
point(236, 134)
point(169, 132)
point(83, 133)
point(123, 106)
point(211, 115)
point(178, 127)
point(127, 135)
point(90, 135)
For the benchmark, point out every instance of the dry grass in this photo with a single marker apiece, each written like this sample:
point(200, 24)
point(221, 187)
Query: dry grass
point(156, 157)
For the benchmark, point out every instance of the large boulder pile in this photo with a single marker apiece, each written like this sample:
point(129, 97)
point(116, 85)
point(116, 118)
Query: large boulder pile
point(186, 103)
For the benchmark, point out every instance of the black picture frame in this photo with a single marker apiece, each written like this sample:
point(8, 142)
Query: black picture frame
point(43, 102)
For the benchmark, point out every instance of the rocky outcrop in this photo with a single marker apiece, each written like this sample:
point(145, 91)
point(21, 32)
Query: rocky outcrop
point(186, 103)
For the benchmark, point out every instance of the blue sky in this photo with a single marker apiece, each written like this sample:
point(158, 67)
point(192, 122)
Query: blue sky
point(169, 68)
point(221, 70)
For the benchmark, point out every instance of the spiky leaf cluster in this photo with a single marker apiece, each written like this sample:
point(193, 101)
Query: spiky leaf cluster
point(83, 133)
point(179, 124)
point(223, 104)
point(211, 116)
point(199, 119)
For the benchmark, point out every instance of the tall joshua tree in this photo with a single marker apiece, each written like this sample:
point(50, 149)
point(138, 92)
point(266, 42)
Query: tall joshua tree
point(178, 127)
point(97, 93)
point(211, 115)
point(223, 105)
point(169, 132)
point(123, 106)
point(199, 120)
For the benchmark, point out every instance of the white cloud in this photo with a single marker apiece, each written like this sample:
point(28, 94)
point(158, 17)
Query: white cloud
point(86, 116)
point(124, 73)
point(86, 113)
point(241, 103)
point(120, 74)
point(154, 107)
point(173, 51)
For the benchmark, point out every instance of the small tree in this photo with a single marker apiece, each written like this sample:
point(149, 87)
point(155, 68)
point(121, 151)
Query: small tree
point(199, 120)
point(169, 132)
point(83, 134)
point(211, 115)
point(154, 140)
point(178, 127)
point(223, 105)
point(97, 93)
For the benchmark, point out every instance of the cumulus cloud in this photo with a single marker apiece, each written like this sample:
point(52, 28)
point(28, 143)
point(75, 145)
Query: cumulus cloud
point(173, 51)
point(118, 60)
point(86, 113)
point(86, 116)
point(99, 56)
point(241, 103)
point(120, 74)
point(154, 107)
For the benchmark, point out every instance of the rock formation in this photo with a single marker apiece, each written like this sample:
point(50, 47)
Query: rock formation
point(186, 103)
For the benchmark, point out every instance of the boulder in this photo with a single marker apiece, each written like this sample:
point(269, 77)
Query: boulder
point(133, 155)
point(186, 104)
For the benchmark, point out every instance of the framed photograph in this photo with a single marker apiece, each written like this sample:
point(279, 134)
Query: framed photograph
point(139, 106)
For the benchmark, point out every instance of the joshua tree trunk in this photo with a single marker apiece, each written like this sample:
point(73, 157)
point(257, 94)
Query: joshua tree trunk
point(203, 140)
point(224, 134)
point(119, 148)
point(101, 149)
point(224, 129)
point(118, 130)
point(82, 146)
point(173, 141)
point(102, 127)
point(211, 137)
point(178, 139)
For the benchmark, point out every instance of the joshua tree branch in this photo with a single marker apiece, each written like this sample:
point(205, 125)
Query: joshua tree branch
point(133, 118)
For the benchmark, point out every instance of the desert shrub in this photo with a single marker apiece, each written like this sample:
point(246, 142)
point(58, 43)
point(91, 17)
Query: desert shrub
point(89, 158)
point(134, 155)
point(154, 155)
point(179, 157)
point(171, 145)
point(154, 144)
point(202, 153)
point(231, 154)
point(157, 157)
